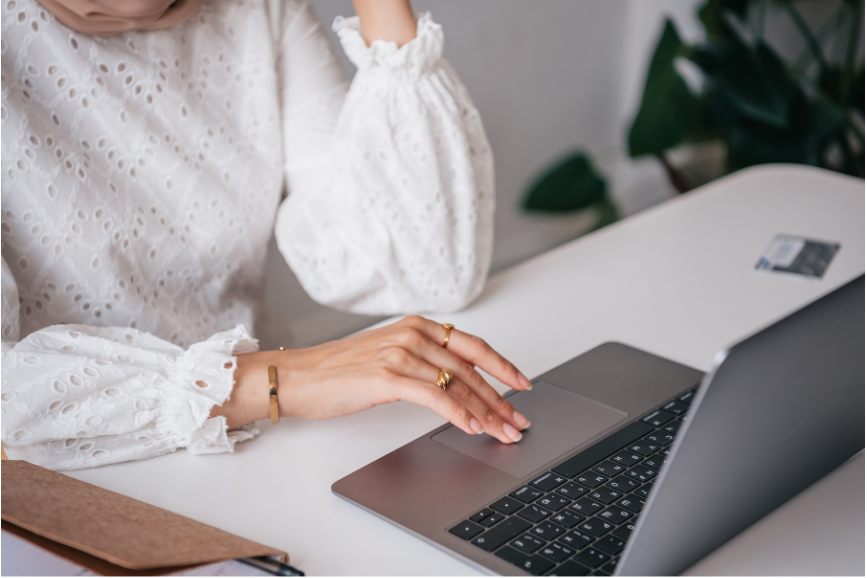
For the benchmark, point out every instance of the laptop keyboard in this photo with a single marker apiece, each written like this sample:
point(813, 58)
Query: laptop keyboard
point(574, 520)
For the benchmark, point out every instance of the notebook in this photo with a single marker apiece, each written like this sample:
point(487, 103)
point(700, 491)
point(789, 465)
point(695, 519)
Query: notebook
point(108, 533)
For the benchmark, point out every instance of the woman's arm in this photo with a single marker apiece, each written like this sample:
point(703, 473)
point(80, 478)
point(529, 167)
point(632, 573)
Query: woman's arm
point(77, 396)
point(391, 189)
point(398, 362)
point(389, 20)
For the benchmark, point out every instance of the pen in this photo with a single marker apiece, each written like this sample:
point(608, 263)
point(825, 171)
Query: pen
point(272, 566)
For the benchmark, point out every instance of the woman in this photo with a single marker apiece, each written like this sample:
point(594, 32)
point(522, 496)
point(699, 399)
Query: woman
point(145, 147)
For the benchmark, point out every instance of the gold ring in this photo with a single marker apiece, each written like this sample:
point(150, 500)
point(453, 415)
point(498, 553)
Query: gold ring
point(448, 327)
point(444, 379)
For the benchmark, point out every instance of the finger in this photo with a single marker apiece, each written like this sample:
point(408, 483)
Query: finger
point(497, 417)
point(433, 398)
point(473, 350)
point(494, 425)
point(466, 372)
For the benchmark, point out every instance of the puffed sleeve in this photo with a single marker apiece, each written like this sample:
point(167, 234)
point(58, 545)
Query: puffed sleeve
point(76, 396)
point(391, 185)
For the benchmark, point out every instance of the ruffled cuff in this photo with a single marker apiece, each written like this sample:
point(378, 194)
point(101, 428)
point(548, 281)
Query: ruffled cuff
point(414, 57)
point(198, 380)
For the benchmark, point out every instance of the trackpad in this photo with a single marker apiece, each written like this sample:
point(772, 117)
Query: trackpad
point(561, 420)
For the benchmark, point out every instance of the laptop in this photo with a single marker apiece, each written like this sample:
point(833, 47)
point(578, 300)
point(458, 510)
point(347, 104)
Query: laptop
point(636, 464)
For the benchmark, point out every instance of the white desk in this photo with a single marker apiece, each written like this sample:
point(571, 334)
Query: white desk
point(676, 280)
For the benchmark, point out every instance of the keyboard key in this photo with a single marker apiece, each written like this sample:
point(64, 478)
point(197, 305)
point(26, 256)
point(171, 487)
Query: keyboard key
point(591, 557)
point(586, 507)
point(623, 484)
point(554, 502)
point(492, 520)
point(467, 530)
point(676, 407)
point(626, 458)
point(605, 495)
point(632, 503)
point(535, 565)
point(577, 539)
point(610, 469)
point(615, 514)
point(507, 505)
point(672, 427)
point(572, 490)
point(660, 438)
point(571, 568)
point(657, 418)
point(611, 545)
point(591, 480)
point(501, 533)
point(547, 531)
point(642, 474)
point(624, 531)
point(610, 566)
point(595, 526)
point(664, 452)
point(548, 481)
point(527, 544)
point(602, 449)
point(534, 513)
point(556, 552)
point(527, 494)
point(654, 462)
point(481, 515)
point(643, 491)
point(644, 448)
point(687, 397)
point(567, 519)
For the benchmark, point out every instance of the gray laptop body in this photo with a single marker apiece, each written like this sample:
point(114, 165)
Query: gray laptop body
point(780, 409)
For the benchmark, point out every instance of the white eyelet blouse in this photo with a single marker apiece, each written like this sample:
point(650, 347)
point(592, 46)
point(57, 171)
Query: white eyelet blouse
point(142, 178)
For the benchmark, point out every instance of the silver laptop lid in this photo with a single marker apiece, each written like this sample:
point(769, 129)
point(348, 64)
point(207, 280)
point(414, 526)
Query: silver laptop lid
point(780, 410)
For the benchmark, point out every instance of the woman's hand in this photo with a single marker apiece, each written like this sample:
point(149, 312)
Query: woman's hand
point(399, 362)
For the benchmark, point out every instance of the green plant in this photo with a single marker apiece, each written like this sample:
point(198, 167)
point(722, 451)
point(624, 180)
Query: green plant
point(572, 184)
point(760, 107)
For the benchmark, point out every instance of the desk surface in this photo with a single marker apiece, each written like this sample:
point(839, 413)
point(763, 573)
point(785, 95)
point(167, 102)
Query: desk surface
point(676, 280)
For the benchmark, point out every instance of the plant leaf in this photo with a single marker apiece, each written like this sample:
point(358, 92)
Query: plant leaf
point(713, 16)
point(607, 212)
point(856, 92)
point(570, 185)
point(668, 113)
point(756, 81)
point(836, 82)
point(804, 140)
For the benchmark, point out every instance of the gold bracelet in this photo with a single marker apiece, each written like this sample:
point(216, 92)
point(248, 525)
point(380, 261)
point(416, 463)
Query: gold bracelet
point(272, 391)
point(272, 384)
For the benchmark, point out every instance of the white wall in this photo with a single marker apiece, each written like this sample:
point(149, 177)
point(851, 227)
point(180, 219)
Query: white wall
point(548, 76)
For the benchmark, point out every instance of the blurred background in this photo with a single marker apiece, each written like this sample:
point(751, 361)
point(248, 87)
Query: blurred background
point(555, 77)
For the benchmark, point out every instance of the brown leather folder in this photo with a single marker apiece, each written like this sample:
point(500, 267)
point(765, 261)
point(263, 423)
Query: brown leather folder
point(109, 533)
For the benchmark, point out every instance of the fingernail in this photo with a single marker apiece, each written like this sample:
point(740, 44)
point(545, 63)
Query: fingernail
point(513, 434)
point(476, 426)
point(522, 421)
point(524, 381)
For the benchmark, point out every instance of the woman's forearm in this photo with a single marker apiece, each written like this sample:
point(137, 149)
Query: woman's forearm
point(390, 20)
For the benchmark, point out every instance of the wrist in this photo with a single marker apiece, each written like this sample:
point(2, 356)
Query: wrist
point(389, 20)
point(249, 400)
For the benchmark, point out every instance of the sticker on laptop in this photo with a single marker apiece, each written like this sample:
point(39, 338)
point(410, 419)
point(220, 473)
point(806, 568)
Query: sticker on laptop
point(798, 256)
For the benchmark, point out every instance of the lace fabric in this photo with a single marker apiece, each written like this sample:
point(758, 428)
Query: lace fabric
point(142, 178)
